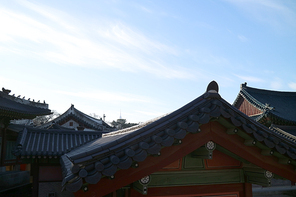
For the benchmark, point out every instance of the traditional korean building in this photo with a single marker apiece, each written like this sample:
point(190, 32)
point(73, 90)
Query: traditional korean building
point(75, 119)
point(267, 107)
point(274, 109)
point(42, 148)
point(14, 180)
point(206, 148)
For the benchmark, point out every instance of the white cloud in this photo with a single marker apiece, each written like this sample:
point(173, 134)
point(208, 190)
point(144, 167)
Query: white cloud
point(249, 78)
point(242, 38)
point(275, 13)
point(64, 40)
point(276, 83)
point(49, 13)
point(124, 35)
point(149, 113)
point(105, 96)
point(292, 85)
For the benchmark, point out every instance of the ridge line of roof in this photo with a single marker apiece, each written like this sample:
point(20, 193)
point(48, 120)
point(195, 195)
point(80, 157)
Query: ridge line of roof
point(251, 99)
point(243, 86)
point(282, 133)
point(270, 112)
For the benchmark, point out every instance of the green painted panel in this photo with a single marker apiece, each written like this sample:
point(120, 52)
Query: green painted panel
point(229, 153)
point(202, 153)
point(256, 176)
point(202, 177)
point(140, 188)
point(258, 181)
point(190, 162)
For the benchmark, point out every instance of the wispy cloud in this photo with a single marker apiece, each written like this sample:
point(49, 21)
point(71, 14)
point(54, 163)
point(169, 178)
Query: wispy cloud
point(105, 96)
point(62, 39)
point(133, 39)
point(275, 13)
point(149, 113)
point(242, 38)
point(49, 13)
point(143, 8)
point(292, 85)
point(276, 83)
point(249, 78)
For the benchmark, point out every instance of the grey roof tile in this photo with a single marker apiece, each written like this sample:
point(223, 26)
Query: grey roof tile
point(43, 143)
point(17, 108)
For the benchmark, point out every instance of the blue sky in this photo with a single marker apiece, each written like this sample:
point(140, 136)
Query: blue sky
point(144, 58)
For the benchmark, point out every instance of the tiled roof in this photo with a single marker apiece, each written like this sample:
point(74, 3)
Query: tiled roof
point(86, 120)
point(287, 131)
point(278, 106)
point(18, 108)
point(34, 142)
point(104, 156)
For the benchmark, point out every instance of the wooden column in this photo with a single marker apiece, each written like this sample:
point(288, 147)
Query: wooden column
point(248, 190)
point(35, 174)
point(3, 148)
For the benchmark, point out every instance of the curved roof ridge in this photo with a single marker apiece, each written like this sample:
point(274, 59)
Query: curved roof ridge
point(280, 105)
point(261, 126)
point(281, 117)
point(251, 99)
point(283, 133)
point(21, 108)
point(55, 120)
point(5, 93)
point(73, 110)
point(245, 87)
point(133, 128)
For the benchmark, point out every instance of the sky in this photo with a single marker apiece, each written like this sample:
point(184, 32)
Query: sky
point(143, 59)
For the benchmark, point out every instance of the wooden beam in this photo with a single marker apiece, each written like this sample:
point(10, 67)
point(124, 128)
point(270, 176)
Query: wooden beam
point(235, 144)
point(233, 190)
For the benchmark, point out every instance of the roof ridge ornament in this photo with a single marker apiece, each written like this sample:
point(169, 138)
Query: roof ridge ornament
point(6, 91)
point(213, 87)
point(243, 85)
point(212, 90)
point(268, 107)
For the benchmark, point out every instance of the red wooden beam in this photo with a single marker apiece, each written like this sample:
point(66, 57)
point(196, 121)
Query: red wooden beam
point(235, 144)
point(233, 190)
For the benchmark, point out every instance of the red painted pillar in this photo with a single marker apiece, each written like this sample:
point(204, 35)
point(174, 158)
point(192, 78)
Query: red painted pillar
point(35, 174)
point(248, 190)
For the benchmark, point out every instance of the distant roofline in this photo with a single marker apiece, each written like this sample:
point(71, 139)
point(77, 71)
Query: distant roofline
point(69, 112)
point(24, 101)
